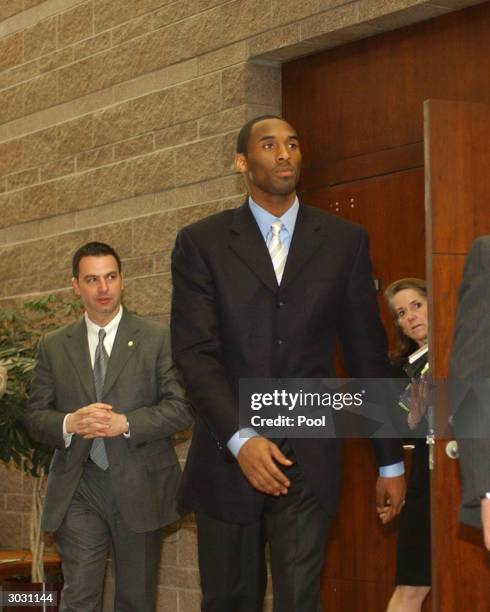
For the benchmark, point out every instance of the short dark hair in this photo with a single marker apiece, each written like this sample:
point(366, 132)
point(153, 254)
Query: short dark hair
point(92, 249)
point(244, 133)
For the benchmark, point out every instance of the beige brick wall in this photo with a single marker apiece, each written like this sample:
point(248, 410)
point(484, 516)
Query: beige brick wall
point(117, 123)
point(15, 500)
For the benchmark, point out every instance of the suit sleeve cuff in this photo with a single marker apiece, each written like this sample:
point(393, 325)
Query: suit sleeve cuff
point(393, 470)
point(239, 438)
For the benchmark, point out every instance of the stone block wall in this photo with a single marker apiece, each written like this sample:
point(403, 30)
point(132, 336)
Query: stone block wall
point(15, 503)
point(117, 123)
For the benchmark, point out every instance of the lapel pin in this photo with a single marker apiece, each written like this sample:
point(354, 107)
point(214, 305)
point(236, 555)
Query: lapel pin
point(130, 343)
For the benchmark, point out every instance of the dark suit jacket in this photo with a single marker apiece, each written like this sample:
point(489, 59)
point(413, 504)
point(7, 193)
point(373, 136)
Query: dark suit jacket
point(230, 320)
point(470, 379)
point(140, 382)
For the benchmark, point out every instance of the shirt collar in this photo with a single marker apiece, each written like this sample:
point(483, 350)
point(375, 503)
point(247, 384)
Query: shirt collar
point(264, 218)
point(93, 328)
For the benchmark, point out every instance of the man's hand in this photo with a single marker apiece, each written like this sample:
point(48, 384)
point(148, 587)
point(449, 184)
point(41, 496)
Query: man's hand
point(257, 459)
point(390, 497)
point(96, 421)
point(485, 519)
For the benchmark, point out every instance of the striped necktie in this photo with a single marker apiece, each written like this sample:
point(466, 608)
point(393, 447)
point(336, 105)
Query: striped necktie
point(277, 250)
point(97, 450)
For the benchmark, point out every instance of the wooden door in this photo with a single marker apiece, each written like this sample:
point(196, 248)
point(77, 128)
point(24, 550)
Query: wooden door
point(457, 162)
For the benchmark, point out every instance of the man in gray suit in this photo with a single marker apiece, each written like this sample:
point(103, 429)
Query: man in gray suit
point(470, 386)
point(106, 395)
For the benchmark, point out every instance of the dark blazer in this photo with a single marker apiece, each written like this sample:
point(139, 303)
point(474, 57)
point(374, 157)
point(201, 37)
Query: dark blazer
point(142, 383)
point(230, 320)
point(470, 379)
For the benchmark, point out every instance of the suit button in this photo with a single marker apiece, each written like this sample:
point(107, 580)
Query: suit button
point(279, 341)
point(281, 303)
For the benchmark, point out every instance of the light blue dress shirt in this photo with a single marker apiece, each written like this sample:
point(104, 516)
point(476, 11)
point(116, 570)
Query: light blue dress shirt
point(264, 220)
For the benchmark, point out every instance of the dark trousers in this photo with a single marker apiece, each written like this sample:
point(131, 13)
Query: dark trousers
point(413, 561)
point(232, 557)
point(92, 525)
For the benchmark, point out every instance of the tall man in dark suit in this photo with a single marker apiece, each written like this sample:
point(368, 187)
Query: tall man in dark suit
point(106, 395)
point(470, 377)
point(263, 291)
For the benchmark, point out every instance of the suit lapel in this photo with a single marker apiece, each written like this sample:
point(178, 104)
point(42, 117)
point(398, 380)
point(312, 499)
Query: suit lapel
point(248, 243)
point(125, 343)
point(76, 345)
point(307, 239)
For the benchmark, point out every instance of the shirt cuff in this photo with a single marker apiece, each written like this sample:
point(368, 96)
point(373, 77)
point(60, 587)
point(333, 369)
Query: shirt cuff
point(393, 470)
point(127, 434)
point(239, 438)
point(66, 436)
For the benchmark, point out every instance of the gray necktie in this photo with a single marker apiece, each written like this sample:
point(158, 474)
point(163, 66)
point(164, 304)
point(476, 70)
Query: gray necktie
point(97, 451)
point(277, 250)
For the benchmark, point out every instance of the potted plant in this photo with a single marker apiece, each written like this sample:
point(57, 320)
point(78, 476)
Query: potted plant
point(20, 330)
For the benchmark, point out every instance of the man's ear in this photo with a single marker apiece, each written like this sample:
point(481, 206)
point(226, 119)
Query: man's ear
point(241, 164)
point(75, 287)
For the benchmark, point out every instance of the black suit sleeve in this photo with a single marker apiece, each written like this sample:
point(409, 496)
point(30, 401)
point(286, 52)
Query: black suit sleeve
point(363, 339)
point(469, 373)
point(196, 342)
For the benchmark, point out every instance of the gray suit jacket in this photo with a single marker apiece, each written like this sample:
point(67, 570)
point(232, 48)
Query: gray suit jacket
point(470, 379)
point(142, 383)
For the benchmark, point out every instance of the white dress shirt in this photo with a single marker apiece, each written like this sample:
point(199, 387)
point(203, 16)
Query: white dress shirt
point(93, 341)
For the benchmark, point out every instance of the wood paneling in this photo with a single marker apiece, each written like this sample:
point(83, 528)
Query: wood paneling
point(391, 208)
point(364, 166)
point(353, 580)
point(458, 137)
point(368, 96)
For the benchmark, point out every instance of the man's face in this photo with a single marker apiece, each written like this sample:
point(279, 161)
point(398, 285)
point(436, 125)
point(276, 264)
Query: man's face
point(99, 286)
point(273, 161)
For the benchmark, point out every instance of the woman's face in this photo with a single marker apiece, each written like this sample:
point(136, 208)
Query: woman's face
point(410, 309)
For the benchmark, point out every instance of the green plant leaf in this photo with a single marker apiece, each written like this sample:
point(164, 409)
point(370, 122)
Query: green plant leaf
point(20, 331)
